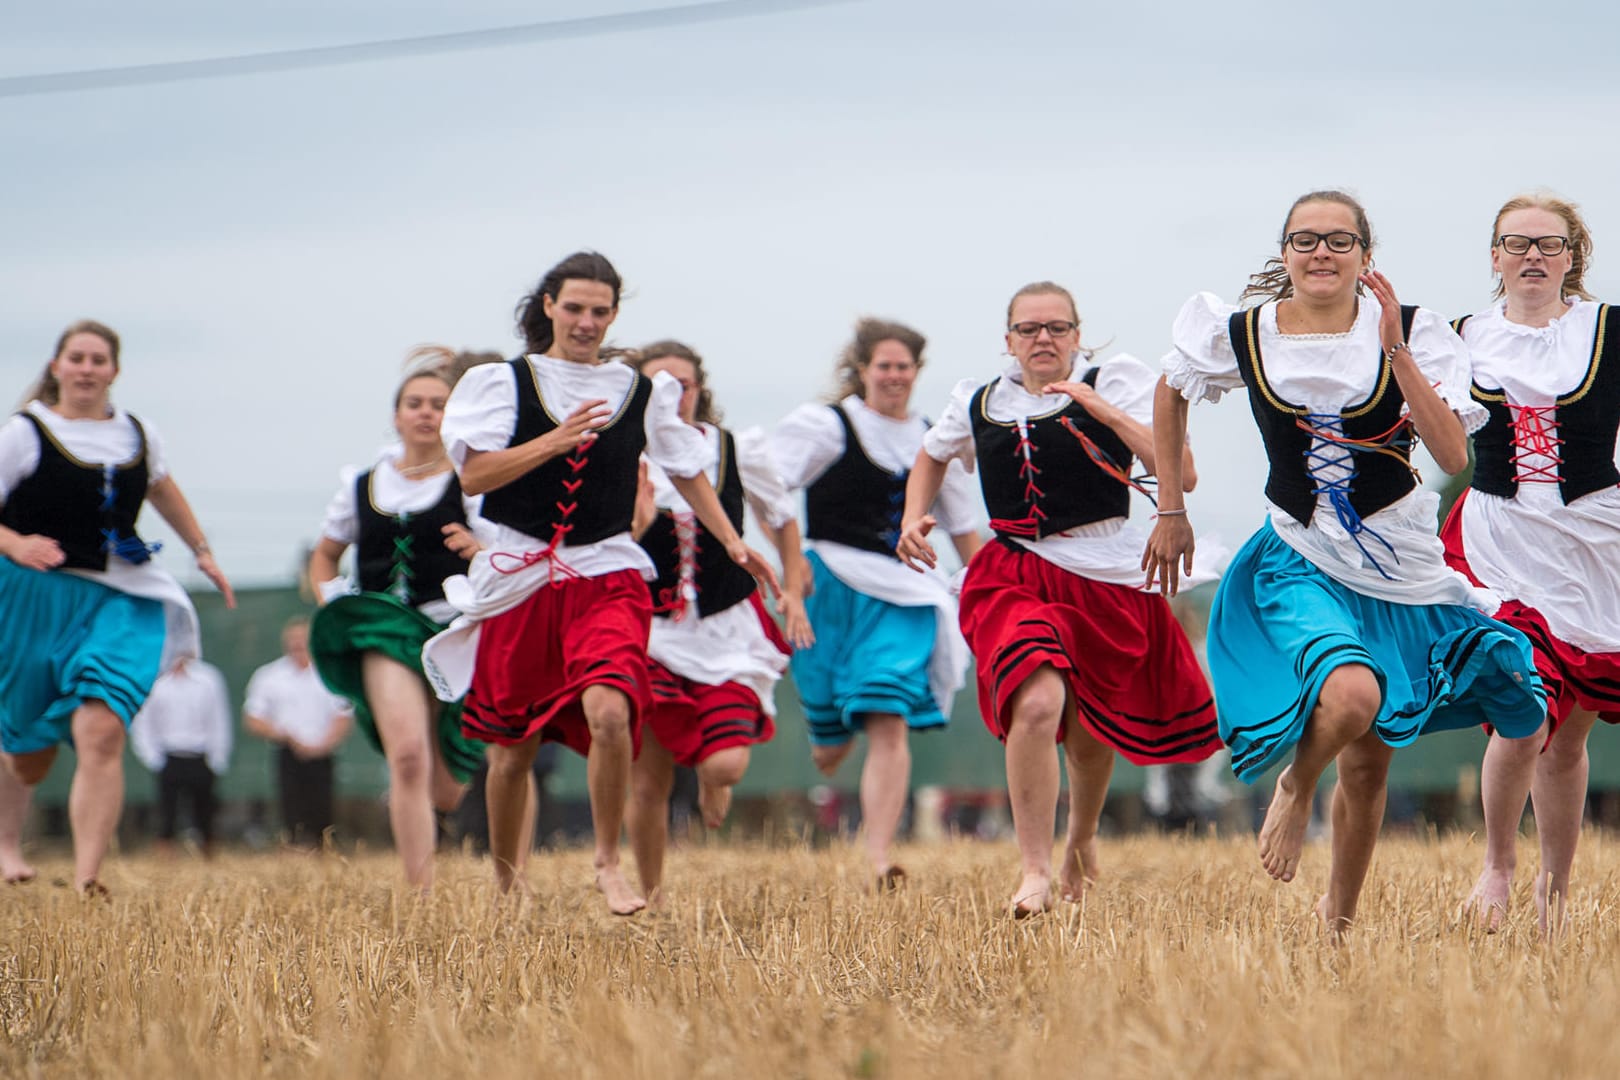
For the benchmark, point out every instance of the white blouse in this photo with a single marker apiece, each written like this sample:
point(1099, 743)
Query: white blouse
point(393, 493)
point(1557, 559)
point(1109, 551)
point(730, 645)
point(112, 441)
point(1327, 373)
point(481, 415)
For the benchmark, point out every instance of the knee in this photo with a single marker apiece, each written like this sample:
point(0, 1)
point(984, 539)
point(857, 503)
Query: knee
point(608, 716)
point(511, 763)
point(885, 732)
point(827, 758)
point(1349, 700)
point(30, 769)
point(651, 787)
point(409, 762)
point(98, 737)
point(724, 768)
point(1037, 708)
point(1363, 775)
point(1566, 750)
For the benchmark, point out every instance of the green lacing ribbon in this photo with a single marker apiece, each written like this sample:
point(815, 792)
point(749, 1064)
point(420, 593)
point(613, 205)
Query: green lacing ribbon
point(404, 558)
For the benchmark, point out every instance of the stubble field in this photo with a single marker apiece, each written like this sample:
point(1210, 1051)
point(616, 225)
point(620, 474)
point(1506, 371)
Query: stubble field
point(1184, 961)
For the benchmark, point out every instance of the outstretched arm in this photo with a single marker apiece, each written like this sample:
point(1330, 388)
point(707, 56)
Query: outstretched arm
point(922, 488)
point(699, 495)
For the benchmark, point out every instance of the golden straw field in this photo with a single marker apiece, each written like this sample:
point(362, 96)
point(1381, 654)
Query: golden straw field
point(1184, 961)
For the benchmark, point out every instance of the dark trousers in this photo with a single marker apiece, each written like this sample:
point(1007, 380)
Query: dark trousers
point(187, 776)
point(306, 797)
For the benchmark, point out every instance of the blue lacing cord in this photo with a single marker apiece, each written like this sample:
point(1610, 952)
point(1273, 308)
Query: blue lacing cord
point(1324, 454)
point(132, 549)
point(897, 509)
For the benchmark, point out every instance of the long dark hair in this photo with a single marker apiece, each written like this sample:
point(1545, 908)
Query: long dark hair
point(532, 323)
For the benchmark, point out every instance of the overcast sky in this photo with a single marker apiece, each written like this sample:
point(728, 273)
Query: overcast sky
point(270, 246)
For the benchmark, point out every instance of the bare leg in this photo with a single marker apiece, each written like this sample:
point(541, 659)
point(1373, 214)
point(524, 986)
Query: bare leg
point(1344, 712)
point(1559, 792)
point(1091, 763)
point(652, 778)
point(1035, 714)
point(885, 781)
point(96, 798)
point(1505, 777)
point(1358, 813)
point(607, 771)
point(506, 796)
point(400, 704)
point(531, 821)
point(828, 758)
point(717, 775)
point(14, 799)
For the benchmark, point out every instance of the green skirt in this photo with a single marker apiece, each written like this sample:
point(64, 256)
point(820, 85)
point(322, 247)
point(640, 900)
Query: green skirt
point(350, 626)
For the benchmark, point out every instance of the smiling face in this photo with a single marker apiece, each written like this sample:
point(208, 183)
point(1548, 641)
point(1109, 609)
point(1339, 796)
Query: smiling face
point(419, 411)
point(887, 380)
point(580, 316)
point(1324, 275)
point(1043, 358)
point(84, 371)
point(684, 372)
point(1532, 279)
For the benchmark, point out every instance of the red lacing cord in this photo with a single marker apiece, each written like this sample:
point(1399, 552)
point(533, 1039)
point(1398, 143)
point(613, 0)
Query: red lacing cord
point(1103, 461)
point(677, 600)
point(520, 561)
point(1533, 427)
point(1029, 524)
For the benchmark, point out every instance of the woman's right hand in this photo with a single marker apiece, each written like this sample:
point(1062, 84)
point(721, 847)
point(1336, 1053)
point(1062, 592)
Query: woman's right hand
point(1169, 551)
point(914, 548)
point(37, 552)
point(795, 621)
point(579, 427)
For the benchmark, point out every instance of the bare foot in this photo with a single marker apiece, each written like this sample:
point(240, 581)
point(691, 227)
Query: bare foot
point(1488, 903)
point(1551, 907)
point(890, 878)
point(1282, 837)
point(1335, 926)
point(1034, 896)
point(714, 800)
point(1081, 868)
point(655, 900)
point(91, 889)
point(621, 898)
point(15, 869)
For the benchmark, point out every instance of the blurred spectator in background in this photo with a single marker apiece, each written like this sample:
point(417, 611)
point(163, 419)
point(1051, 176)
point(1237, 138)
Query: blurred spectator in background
point(183, 734)
point(289, 705)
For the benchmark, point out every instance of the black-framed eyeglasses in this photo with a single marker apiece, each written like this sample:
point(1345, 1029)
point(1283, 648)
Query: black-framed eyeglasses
point(1304, 241)
point(1515, 244)
point(1057, 328)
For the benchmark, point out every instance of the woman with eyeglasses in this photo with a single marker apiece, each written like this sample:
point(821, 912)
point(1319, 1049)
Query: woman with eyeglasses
point(1338, 632)
point(1069, 648)
point(88, 617)
point(408, 520)
point(888, 657)
point(1540, 525)
point(715, 655)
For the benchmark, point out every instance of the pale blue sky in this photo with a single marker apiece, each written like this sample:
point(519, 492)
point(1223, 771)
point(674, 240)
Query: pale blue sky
point(271, 246)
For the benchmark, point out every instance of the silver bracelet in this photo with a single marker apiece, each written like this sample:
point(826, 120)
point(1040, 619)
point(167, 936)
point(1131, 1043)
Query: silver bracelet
point(1173, 513)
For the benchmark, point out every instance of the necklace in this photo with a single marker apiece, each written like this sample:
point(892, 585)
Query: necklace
point(419, 470)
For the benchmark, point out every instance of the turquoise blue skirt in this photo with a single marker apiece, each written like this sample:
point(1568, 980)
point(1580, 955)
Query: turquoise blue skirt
point(1279, 626)
point(65, 640)
point(869, 657)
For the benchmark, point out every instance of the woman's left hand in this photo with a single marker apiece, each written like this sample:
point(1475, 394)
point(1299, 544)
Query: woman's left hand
point(459, 539)
point(211, 570)
point(1389, 319)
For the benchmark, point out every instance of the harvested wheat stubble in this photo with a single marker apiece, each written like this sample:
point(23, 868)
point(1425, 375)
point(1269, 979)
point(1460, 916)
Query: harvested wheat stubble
point(770, 962)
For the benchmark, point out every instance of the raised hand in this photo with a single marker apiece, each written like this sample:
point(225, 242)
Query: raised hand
point(579, 427)
point(1389, 319)
point(459, 539)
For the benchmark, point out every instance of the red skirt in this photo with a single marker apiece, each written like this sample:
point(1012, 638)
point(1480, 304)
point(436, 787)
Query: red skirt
point(1574, 679)
point(535, 661)
point(1131, 672)
point(694, 720)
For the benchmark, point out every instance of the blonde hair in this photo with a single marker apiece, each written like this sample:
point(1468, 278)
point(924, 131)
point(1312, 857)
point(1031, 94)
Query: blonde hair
point(440, 362)
point(45, 388)
point(1580, 238)
point(1272, 282)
